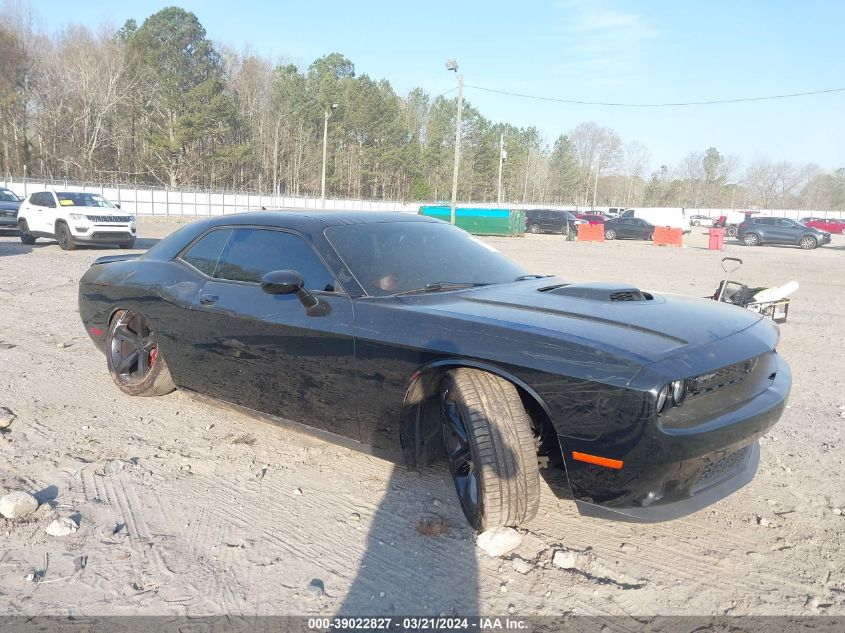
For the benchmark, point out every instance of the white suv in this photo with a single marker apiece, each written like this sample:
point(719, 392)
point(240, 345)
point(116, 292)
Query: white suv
point(74, 218)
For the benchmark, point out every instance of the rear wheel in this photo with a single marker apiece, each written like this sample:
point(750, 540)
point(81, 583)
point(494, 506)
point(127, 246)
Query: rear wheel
point(135, 364)
point(64, 237)
point(26, 237)
point(534, 228)
point(808, 242)
point(610, 234)
point(751, 239)
point(491, 449)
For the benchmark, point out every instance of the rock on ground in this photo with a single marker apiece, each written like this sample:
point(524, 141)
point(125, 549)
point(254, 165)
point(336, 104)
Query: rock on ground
point(569, 559)
point(62, 527)
point(499, 541)
point(6, 417)
point(18, 504)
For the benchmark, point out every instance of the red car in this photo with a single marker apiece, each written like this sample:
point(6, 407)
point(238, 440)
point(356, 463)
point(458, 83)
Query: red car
point(831, 225)
point(592, 218)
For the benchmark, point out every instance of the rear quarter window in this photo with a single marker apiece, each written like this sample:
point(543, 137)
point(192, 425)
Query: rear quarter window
point(205, 252)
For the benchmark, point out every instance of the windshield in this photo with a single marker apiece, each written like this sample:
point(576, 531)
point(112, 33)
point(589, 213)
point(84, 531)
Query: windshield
point(8, 196)
point(392, 257)
point(68, 199)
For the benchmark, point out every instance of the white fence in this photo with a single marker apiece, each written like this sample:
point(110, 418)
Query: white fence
point(199, 203)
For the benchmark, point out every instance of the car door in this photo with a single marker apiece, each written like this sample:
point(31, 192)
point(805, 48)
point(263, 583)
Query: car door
point(642, 229)
point(40, 215)
point(624, 227)
point(269, 352)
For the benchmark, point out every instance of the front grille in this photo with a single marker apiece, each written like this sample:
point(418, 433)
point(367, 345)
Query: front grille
point(8, 214)
point(721, 378)
point(714, 472)
point(109, 218)
point(111, 236)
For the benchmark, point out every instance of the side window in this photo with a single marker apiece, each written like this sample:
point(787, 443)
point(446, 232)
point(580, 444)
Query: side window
point(40, 199)
point(252, 253)
point(205, 253)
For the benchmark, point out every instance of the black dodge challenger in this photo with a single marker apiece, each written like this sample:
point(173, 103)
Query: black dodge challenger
point(412, 338)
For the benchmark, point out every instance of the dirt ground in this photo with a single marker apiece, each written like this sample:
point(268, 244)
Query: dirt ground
point(213, 512)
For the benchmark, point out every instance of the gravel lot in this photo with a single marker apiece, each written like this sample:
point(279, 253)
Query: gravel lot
point(212, 512)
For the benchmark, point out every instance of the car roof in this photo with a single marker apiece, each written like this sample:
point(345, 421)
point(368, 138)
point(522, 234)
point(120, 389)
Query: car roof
point(315, 219)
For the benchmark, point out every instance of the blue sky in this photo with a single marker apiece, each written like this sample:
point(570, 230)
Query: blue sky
point(596, 50)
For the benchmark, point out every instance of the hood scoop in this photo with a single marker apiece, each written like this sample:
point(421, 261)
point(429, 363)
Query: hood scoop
point(604, 292)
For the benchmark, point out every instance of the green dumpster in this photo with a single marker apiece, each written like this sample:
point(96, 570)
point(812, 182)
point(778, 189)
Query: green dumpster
point(489, 221)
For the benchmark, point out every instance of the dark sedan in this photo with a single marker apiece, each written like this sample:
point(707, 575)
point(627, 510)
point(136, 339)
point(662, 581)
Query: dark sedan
point(9, 205)
point(628, 228)
point(414, 339)
point(758, 231)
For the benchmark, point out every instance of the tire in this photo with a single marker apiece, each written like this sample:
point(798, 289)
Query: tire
point(26, 237)
point(808, 242)
point(751, 239)
point(731, 231)
point(610, 234)
point(491, 449)
point(534, 228)
point(64, 237)
point(134, 362)
point(128, 244)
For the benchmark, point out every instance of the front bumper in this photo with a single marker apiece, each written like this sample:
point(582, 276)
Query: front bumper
point(8, 222)
point(103, 233)
point(670, 473)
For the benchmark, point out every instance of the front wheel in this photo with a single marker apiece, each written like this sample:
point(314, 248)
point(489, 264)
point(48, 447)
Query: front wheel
point(26, 237)
point(534, 228)
point(135, 364)
point(610, 234)
point(491, 449)
point(731, 231)
point(64, 237)
point(808, 242)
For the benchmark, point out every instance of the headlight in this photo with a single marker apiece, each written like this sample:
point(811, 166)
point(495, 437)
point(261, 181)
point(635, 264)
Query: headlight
point(679, 392)
point(662, 399)
point(78, 216)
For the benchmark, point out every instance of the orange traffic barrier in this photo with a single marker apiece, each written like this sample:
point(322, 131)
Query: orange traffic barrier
point(591, 232)
point(666, 235)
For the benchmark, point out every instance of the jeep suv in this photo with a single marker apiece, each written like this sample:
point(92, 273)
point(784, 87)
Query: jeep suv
point(549, 221)
point(74, 218)
point(757, 231)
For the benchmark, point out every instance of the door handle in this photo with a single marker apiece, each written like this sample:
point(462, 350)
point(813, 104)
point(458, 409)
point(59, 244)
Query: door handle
point(208, 300)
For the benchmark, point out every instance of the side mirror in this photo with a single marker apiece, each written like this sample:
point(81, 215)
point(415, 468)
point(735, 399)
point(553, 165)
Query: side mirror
point(285, 282)
point(116, 205)
point(282, 282)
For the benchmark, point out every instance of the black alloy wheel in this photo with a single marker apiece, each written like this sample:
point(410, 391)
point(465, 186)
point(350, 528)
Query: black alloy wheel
point(64, 237)
point(135, 362)
point(461, 462)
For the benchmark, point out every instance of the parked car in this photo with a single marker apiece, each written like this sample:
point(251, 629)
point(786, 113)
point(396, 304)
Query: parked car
point(730, 221)
point(74, 218)
point(831, 225)
point(758, 231)
point(593, 218)
point(700, 220)
point(548, 221)
point(9, 205)
point(411, 337)
point(628, 228)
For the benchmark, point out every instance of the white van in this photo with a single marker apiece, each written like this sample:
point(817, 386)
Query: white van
point(661, 216)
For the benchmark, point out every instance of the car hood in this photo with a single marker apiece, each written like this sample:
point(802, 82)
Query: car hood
point(10, 206)
point(652, 327)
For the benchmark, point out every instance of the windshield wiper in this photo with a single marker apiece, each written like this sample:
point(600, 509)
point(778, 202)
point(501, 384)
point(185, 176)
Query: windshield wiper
point(524, 277)
point(439, 286)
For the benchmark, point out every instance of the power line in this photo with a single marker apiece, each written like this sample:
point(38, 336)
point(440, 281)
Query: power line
point(657, 105)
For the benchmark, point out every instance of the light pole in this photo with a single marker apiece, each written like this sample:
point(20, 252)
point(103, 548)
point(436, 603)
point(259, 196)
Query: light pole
point(328, 113)
point(502, 156)
point(453, 65)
